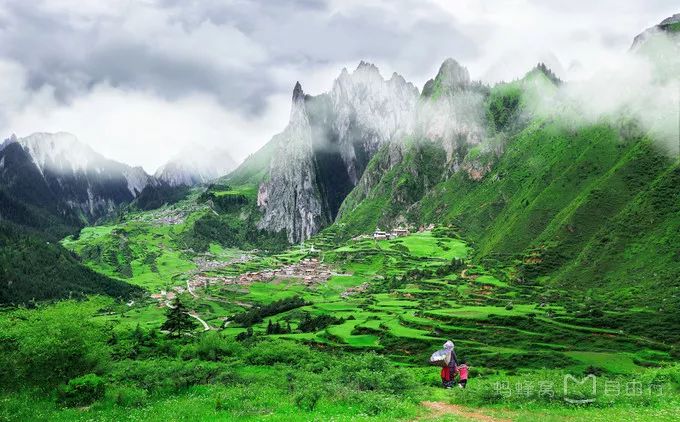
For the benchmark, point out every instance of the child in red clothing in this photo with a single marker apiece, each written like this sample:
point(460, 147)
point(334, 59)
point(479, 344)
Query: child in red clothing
point(462, 374)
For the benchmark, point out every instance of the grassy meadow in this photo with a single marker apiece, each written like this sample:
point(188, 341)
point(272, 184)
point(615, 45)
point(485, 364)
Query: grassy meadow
point(353, 347)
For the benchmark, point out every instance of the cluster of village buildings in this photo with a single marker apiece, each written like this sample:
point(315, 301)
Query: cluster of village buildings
point(351, 291)
point(168, 295)
point(391, 234)
point(205, 264)
point(310, 270)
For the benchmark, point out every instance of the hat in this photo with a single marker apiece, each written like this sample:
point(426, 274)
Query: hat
point(448, 344)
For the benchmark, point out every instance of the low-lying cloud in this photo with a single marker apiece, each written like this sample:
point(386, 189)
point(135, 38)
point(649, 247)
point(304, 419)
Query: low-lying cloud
point(137, 79)
point(639, 86)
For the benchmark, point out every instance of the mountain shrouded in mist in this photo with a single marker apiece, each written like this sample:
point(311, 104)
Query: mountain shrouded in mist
point(323, 153)
point(55, 174)
point(338, 145)
point(195, 165)
point(533, 221)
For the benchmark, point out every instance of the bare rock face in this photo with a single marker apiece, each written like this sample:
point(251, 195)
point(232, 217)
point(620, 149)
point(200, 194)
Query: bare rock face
point(291, 199)
point(323, 153)
point(370, 111)
point(452, 111)
point(670, 25)
point(324, 150)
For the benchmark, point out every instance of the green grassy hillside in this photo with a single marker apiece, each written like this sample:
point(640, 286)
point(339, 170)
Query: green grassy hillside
point(33, 269)
point(592, 208)
point(351, 347)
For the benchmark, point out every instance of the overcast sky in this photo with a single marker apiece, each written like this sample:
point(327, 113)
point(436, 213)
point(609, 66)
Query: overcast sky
point(139, 80)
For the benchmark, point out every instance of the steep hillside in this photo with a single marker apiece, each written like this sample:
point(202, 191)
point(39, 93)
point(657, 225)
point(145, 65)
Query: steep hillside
point(58, 179)
point(52, 185)
point(32, 269)
point(591, 208)
point(305, 173)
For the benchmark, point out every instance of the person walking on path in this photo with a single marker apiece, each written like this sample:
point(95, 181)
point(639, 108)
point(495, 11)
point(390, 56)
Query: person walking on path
point(449, 370)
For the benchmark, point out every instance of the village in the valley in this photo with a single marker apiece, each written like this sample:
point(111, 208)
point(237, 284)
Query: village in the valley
point(310, 271)
point(391, 234)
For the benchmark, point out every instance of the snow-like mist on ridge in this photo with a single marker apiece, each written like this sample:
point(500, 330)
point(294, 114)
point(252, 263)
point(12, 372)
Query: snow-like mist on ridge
point(641, 85)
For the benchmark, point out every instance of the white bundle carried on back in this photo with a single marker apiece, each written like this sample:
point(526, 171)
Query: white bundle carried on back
point(438, 358)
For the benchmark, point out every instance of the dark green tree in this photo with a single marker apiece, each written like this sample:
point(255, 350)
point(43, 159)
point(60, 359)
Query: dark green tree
point(178, 320)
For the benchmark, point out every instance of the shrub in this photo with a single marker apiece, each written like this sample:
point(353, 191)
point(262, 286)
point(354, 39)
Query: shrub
point(372, 372)
point(129, 396)
point(308, 399)
point(213, 347)
point(81, 391)
point(51, 345)
point(374, 403)
point(277, 351)
point(166, 375)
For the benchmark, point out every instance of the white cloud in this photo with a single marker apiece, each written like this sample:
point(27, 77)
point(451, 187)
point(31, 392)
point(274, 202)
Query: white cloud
point(137, 127)
point(139, 79)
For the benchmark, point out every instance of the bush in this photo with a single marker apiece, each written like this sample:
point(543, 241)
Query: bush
point(166, 375)
point(372, 372)
point(128, 396)
point(308, 399)
point(211, 346)
point(272, 352)
point(374, 404)
point(82, 391)
point(51, 345)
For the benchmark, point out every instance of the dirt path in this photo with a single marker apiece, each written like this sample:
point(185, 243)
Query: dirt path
point(191, 292)
point(206, 327)
point(192, 314)
point(439, 409)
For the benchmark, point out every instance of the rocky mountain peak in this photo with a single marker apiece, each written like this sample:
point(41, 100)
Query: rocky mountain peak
point(452, 75)
point(298, 93)
point(10, 140)
point(670, 25)
point(195, 164)
point(670, 20)
point(367, 67)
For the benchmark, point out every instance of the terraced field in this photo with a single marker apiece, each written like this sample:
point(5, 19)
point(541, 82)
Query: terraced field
point(402, 297)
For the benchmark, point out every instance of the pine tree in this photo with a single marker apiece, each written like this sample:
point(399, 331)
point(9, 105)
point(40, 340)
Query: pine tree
point(138, 334)
point(178, 320)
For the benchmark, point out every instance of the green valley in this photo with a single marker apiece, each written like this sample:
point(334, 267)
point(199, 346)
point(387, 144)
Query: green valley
point(478, 250)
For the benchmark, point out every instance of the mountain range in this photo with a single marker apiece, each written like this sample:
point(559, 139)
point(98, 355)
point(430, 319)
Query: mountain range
point(53, 177)
point(582, 205)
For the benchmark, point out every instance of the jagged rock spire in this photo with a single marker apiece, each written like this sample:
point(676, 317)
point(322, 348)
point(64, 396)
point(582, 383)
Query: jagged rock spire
point(298, 93)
